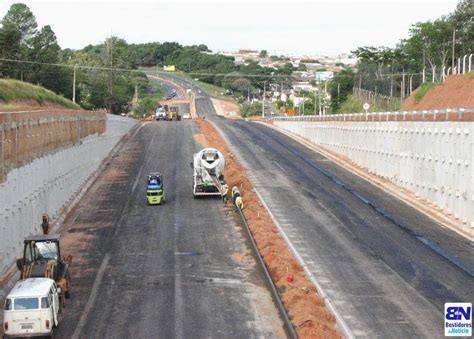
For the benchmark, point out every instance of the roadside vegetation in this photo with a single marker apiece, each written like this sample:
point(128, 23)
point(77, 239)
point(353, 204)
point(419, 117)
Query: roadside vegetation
point(353, 104)
point(12, 91)
point(108, 74)
point(250, 109)
point(149, 102)
point(427, 49)
point(423, 89)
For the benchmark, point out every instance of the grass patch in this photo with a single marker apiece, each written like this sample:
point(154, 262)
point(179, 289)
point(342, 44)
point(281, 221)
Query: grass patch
point(213, 90)
point(354, 104)
point(423, 89)
point(12, 91)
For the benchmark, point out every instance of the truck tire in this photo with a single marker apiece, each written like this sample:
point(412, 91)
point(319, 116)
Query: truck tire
point(62, 303)
point(67, 293)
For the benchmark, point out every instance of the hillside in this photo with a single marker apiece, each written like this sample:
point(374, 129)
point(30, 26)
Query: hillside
point(456, 92)
point(16, 94)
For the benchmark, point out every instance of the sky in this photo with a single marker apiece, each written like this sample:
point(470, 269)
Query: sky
point(296, 27)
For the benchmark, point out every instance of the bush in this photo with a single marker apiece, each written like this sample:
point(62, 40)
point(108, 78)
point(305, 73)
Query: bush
point(249, 110)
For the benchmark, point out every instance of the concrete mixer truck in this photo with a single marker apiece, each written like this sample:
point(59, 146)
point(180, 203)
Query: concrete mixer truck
point(208, 179)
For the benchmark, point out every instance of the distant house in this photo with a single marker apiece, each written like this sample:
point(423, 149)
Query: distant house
point(302, 86)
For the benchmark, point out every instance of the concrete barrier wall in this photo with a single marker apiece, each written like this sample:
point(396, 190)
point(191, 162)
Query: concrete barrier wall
point(48, 183)
point(432, 159)
point(27, 135)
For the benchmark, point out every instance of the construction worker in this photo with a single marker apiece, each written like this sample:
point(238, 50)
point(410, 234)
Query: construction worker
point(237, 199)
point(225, 192)
point(45, 223)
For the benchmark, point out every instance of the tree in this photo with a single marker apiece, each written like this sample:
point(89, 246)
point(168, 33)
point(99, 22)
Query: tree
point(340, 87)
point(18, 27)
point(20, 17)
point(166, 52)
point(115, 55)
point(241, 85)
point(45, 50)
point(263, 53)
point(302, 67)
point(463, 21)
point(431, 41)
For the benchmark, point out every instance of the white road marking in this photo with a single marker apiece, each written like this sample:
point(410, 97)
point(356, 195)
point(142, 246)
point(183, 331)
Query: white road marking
point(92, 297)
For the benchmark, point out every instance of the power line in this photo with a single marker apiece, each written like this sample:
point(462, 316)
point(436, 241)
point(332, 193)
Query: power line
point(195, 73)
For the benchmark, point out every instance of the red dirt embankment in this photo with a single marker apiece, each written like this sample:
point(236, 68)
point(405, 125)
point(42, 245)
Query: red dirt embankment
point(456, 92)
point(306, 309)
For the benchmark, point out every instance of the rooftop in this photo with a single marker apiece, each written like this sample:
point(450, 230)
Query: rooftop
point(32, 287)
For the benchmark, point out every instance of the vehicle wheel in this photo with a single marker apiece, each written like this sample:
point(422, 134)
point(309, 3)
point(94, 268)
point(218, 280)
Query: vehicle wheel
point(62, 303)
point(67, 293)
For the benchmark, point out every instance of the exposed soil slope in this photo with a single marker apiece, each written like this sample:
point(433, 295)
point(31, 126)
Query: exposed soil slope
point(456, 92)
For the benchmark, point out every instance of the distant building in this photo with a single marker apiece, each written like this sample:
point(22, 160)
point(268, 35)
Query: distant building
point(323, 75)
point(302, 86)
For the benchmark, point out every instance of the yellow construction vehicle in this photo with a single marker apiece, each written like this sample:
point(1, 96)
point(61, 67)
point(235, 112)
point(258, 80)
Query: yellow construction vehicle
point(42, 258)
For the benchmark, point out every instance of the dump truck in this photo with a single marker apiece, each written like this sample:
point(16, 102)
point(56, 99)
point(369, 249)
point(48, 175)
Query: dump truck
point(42, 258)
point(208, 179)
point(155, 193)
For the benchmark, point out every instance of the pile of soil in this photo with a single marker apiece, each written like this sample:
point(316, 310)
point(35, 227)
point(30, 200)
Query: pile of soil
point(456, 92)
point(226, 108)
point(305, 307)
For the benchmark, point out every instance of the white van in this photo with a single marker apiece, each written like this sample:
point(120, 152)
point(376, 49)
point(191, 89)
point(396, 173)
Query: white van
point(32, 308)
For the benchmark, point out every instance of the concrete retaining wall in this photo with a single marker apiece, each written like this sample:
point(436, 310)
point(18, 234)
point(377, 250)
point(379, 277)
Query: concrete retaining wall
point(432, 159)
point(27, 135)
point(48, 183)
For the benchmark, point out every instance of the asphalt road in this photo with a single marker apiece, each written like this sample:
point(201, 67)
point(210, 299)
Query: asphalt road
point(181, 270)
point(387, 268)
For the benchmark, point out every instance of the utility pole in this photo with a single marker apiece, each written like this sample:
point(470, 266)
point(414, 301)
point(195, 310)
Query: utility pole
point(303, 104)
point(325, 96)
point(319, 99)
point(315, 103)
point(338, 93)
point(263, 100)
point(74, 85)
point(111, 74)
point(424, 68)
point(454, 39)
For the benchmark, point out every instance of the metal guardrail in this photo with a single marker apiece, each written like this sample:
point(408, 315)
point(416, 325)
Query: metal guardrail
point(435, 114)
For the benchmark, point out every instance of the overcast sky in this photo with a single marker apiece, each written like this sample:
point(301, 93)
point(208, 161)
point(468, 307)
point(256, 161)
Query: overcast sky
point(282, 27)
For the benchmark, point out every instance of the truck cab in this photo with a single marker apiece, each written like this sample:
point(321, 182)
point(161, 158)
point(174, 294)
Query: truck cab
point(32, 308)
point(160, 114)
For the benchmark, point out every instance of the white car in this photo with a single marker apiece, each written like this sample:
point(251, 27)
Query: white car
point(32, 308)
point(186, 116)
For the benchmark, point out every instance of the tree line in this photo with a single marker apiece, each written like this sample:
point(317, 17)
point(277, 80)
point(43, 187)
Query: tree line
point(108, 74)
point(427, 53)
